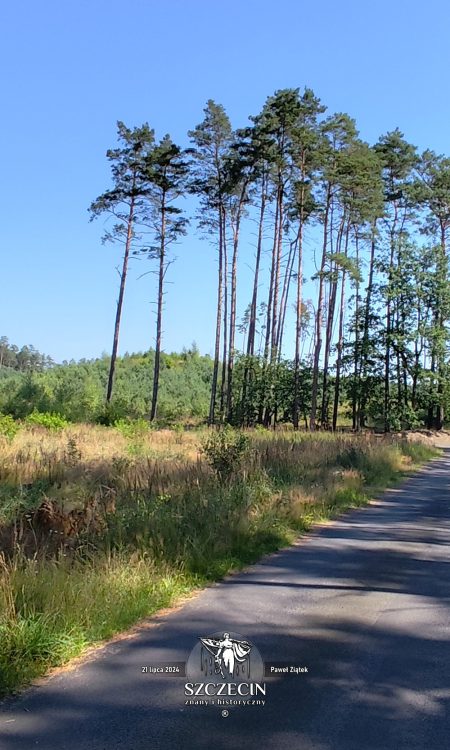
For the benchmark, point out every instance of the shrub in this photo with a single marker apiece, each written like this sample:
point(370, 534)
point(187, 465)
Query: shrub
point(351, 457)
point(133, 429)
point(224, 451)
point(49, 420)
point(8, 426)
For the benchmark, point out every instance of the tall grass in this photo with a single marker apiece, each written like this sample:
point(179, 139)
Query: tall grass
point(96, 536)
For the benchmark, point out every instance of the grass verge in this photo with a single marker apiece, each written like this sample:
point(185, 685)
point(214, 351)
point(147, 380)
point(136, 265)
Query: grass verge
point(158, 546)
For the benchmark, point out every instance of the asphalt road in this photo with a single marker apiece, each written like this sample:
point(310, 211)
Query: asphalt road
point(364, 603)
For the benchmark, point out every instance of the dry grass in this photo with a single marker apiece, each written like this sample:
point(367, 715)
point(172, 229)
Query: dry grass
point(100, 528)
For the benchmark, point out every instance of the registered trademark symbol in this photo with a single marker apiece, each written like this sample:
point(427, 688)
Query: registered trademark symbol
point(225, 713)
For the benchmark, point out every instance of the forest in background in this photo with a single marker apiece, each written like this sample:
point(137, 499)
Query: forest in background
point(367, 225)
point(76, 390)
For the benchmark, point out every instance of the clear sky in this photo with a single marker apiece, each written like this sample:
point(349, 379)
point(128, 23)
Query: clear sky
point(71, 69)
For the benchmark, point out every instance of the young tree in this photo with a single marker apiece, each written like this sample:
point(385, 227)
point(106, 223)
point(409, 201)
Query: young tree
point(127, 203)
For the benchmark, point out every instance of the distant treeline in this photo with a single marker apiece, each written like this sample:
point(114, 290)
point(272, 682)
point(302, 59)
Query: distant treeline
point(25, 359)
point(77, 390)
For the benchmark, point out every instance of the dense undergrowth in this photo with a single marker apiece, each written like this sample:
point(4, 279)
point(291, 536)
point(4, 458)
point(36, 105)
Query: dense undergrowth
point(103, 526)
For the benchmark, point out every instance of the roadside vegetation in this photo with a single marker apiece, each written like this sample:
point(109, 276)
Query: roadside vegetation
point(102, 526)
point(332, 312)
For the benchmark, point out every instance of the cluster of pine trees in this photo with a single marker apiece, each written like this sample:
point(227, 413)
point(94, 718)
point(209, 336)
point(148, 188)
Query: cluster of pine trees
point(76, 390)
point(372, 220)
point(25, 359)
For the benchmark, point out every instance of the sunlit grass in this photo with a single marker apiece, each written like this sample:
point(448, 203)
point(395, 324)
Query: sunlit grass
point(139, 520)
point(51, 611)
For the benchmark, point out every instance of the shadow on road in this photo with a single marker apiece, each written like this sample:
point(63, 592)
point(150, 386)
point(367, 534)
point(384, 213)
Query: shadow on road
point(363, 603)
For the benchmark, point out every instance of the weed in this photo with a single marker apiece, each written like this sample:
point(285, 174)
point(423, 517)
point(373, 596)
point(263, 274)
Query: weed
point(72, 454)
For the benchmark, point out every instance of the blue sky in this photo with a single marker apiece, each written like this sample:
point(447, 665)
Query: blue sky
point(70, 70)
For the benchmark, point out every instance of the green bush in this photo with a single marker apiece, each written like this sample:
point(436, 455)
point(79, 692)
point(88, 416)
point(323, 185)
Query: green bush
point(8, 426)
point(133, 429)
point(224, 451)
point(49, 420)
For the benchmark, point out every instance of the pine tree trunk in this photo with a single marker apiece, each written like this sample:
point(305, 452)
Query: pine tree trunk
point(365, 341)
point(233, 309)
point(430, 415)
point(275, 313)
point(298, 326)
point(162, 252)
point(285, 296)
point(387, 369)
point(387, 363)
point(327, 349)
point(223, 384)
point(212, 405)
point(356, 346)
point(440, 414)
point(397, 357)
point(123, 278)
point(263, 413)
point(340, 345)
point(252, 323)
point(319, 315)
point(417, 352)
point(253, 305)
point(329, 328)
point(271, 288)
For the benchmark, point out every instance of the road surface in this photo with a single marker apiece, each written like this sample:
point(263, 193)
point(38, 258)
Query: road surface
point(364, 603)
